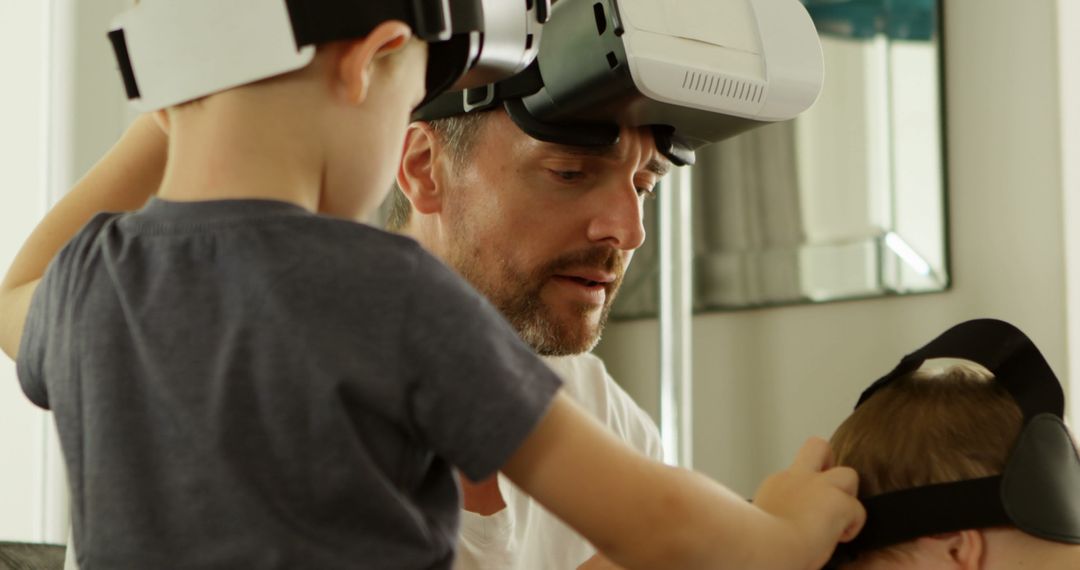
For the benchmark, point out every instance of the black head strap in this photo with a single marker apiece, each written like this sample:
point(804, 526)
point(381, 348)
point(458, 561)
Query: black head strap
point(510, 93)
point(1004, 350)
point(321, 21)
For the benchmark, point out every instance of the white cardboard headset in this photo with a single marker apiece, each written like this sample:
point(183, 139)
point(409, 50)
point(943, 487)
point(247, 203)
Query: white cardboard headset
point(173, 51)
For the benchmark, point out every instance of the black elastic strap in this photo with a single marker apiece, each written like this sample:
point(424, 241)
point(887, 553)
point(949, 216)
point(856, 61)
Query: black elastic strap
point(574, 134)
point(893, 518)
point(543, 11)
point(446, 63)
point(527, 82)
point(1005, 351)
point(321, 21)
point(119, 44)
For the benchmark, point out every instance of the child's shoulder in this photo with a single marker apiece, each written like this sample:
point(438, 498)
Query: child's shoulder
point(375, 252)
point(378, 252)
point(354, 239)
point(82, 244)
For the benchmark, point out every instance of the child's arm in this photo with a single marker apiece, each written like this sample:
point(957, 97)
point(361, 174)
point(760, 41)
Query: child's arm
point(642, 514)
point(598, 562)
point(122, 181)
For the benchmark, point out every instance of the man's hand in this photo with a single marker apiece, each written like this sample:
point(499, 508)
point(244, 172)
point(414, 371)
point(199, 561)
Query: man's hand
point(483, 498)
point(814, 502)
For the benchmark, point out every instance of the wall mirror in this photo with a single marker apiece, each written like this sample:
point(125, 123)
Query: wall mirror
point(845, 202)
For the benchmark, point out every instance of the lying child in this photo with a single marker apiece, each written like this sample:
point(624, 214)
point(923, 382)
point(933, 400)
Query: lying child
point(931, 446)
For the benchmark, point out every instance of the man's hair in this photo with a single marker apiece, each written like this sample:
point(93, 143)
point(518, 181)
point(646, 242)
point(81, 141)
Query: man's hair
point(457, 135)
point(929, 427)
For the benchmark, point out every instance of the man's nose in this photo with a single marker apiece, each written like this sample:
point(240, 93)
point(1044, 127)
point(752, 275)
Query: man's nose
point(617, 219)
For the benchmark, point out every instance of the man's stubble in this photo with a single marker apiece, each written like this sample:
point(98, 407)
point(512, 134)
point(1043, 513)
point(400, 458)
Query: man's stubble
point(516, 292)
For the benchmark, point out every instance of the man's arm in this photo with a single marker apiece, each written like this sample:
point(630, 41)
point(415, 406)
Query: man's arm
point(643, 514)
point(122, 181)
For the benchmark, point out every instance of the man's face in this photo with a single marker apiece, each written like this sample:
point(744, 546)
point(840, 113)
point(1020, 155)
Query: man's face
point(546, 231)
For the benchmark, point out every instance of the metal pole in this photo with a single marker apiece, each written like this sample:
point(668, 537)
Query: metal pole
point(676, 319)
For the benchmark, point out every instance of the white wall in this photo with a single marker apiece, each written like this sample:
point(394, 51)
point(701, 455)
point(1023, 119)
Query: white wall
point(22, 178)
point(1069, 42)
point(61, 107)
point(766, 379)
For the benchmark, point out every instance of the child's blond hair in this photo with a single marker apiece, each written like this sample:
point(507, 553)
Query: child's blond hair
point(929, 427)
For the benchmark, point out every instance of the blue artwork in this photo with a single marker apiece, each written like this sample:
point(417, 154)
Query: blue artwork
point(865, 19)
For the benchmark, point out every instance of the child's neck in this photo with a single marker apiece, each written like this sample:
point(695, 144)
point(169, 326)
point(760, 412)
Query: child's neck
point(234, 146)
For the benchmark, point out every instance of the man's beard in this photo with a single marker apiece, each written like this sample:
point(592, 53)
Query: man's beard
point(516, 295)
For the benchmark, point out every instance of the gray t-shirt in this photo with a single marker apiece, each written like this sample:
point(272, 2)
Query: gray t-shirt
point(243, 384)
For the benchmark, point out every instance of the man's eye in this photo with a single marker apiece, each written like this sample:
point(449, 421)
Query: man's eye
point(649, 193)
point(569, 175)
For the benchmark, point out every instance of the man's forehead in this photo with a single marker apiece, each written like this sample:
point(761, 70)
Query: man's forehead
point(656, 163)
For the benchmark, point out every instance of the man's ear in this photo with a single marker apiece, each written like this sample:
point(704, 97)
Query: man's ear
point(962, 550)
point(359, 57)
point(416, 174)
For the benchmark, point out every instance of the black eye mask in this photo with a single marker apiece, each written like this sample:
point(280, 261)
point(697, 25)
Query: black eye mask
point(1039, 490)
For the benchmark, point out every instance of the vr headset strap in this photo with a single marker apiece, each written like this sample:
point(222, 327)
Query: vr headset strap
point(510, 92)
point(332, 20)
point(905, 515)
point(482, 98)
point(1005, 351)
point(123, 58)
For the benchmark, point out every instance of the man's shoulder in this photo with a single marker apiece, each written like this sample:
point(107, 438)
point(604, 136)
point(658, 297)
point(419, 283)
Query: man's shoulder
point(587, 380)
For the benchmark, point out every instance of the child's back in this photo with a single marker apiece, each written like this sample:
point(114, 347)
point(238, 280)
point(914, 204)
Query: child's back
point(250, 378)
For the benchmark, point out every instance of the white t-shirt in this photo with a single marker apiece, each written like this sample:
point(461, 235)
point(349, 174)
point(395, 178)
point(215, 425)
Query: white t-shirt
point(525, 536)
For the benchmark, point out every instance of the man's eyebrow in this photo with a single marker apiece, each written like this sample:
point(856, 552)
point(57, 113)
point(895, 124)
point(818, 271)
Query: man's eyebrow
point(656, 166)
point(603, 151)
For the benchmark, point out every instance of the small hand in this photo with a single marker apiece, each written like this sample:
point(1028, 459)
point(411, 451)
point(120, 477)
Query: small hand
point(815, 503)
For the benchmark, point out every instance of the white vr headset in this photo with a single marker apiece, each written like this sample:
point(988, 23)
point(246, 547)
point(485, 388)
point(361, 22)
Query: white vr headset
point(173, 51)
point(697, 71)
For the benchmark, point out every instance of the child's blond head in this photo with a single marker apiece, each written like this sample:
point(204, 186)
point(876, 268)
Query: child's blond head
point(929, 427)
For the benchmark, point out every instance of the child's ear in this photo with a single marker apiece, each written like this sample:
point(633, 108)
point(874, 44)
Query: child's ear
point(961, 550)
point(417, 171)
point(355, 66)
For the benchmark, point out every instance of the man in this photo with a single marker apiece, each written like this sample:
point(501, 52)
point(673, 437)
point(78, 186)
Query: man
point(545, 232)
